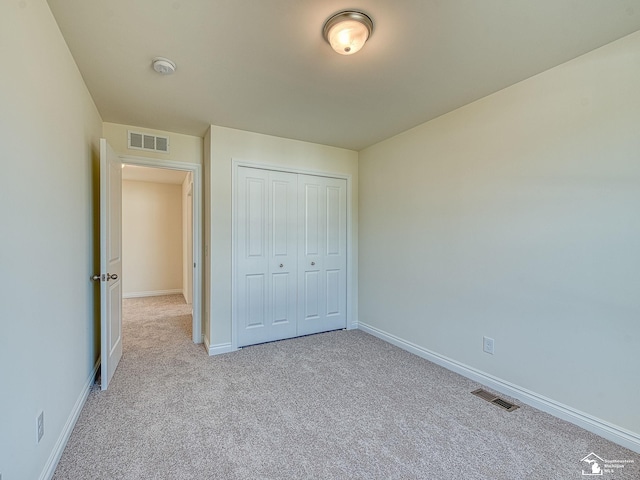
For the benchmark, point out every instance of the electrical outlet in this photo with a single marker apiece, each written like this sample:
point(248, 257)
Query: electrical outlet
point(40, 425)
point(487, 345)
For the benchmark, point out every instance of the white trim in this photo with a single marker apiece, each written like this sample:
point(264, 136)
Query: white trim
point(288, 169)
point(196, 170)
point(155, 293)
point(219, 348)
point(590, 423)
point(61, 443)
point(234, 236)
point(235, 164)
point(351, 298)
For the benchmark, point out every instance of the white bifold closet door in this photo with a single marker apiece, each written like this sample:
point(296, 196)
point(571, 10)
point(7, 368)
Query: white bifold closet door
point(322, 259)
point(267, 251)
point(290, 255)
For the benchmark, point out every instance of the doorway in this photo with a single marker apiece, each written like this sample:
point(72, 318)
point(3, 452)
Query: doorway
point(166, 259)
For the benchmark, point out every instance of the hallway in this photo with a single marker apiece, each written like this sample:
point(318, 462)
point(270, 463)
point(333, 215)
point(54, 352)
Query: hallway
point(155, 323)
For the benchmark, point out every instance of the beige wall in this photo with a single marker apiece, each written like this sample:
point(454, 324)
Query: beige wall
point(49, 338)
point(228, 145)
point(151, 238)
point(182, 148)
point(518, 217)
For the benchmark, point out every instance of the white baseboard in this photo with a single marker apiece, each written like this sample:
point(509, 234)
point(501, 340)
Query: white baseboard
point(218, 348)
point(154, 293)
point(61, 443)
point(590, 423)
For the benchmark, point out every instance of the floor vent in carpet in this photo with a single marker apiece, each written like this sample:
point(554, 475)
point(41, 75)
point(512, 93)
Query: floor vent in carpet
point(490, 397)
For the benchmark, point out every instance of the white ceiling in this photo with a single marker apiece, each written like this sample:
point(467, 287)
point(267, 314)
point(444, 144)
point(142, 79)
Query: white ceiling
point(263, 66)
point(154, 175)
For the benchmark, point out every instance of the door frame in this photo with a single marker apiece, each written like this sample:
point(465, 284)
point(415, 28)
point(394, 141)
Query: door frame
point(237, 163)
point(196, 171)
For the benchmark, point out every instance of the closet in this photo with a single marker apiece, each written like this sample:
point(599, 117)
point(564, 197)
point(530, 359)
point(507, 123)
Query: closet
point(290, 255)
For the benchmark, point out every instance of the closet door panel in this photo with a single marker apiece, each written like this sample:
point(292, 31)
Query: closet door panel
point(310, 294)
point(252, 223)
point(322, 213)
point(311, 212)
point(281, 312)
point(311, 218)
point(333, 223)
point(266, 260)
point(251, 254)
point(280, 203)
point(335, 258)
point(334, 296)
point(283, 262)
point(255, 304)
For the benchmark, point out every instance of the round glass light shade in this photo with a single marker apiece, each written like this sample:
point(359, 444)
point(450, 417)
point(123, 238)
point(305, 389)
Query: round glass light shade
point(348, 31)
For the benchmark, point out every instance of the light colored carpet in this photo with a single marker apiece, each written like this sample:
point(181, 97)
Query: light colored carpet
point(331, 406)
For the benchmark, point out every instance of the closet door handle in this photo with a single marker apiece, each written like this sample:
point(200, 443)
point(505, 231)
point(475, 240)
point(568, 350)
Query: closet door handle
point(281, 265)
point(313, 263)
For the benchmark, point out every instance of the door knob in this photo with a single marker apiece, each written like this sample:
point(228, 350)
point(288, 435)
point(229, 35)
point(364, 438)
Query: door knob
point(281, 265)
point(313, 263)
point(105, 278)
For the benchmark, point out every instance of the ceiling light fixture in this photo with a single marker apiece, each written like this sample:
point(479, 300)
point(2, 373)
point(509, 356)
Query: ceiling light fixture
point(163, 66)
point(347, 31)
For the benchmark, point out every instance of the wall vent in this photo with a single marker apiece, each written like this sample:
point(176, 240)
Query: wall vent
point(491, 398)
point(144, 141)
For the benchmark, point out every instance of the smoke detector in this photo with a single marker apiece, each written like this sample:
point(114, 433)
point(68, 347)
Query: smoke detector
point(163, 66)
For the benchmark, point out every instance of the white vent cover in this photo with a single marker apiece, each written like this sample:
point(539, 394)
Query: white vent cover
point(144, 141)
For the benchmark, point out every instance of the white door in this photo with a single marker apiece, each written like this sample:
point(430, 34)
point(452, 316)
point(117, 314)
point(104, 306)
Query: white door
point(266, 255)
point(322, 291)
point(110, 262)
